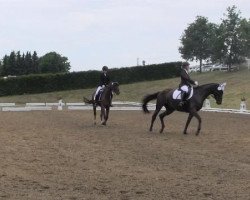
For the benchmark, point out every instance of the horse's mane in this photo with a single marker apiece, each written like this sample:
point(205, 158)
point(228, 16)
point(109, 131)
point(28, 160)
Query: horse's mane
point(208, 84)
point(205, 85)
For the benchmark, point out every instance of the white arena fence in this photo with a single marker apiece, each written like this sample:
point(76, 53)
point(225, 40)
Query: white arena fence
point(117, 105)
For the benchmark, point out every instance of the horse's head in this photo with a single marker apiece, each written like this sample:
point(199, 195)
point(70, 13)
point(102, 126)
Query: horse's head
point(115, 87)
point(218, 93)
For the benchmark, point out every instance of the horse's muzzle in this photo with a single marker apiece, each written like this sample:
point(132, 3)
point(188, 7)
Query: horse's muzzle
point(117, 92)
point(219, 102)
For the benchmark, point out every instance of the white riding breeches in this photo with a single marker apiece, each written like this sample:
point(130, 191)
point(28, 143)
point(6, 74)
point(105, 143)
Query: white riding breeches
point(184, 88)
point(97, 90)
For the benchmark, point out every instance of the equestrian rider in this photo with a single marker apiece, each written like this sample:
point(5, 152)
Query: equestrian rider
point(104, 80)
point(186, 82)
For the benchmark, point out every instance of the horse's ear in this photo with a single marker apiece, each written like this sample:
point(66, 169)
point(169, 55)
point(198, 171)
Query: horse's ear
point(222, 86)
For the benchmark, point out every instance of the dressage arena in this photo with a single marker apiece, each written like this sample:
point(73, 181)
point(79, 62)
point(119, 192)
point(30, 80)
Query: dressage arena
point(61, 155)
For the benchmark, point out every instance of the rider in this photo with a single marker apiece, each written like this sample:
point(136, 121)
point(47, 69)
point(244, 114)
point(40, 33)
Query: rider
point(104, 80)
point(186, 82)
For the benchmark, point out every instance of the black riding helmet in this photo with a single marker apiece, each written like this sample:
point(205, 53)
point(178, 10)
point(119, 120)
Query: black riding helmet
point(185, 64)
point(105, 68)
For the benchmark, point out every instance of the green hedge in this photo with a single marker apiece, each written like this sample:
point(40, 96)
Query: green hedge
point(146, 73)
point(78, 80)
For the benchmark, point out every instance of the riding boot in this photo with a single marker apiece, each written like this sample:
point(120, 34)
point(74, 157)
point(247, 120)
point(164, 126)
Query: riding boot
point(182, 102)
point(96, 95)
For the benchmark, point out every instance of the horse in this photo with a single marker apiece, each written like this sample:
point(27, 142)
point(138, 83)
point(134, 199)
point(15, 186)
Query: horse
point(105, 101)
point(191, 106)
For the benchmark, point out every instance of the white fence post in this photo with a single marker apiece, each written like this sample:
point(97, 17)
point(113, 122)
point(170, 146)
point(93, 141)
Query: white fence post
point(243, 106)
point(60, 104)
point(207, 103)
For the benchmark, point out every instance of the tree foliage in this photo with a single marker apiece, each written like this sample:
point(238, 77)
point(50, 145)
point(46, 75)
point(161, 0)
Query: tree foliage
point(233, 50)
point(17, 64)
point(53, 63)
point(245, 35)
point(196, 40)
point(227, 42)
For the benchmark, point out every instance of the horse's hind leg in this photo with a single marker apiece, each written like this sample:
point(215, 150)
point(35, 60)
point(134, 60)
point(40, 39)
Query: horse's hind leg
point(94, 110)
point(162, 115)
point(193, 113)
point(106, 116)
point(190, 116)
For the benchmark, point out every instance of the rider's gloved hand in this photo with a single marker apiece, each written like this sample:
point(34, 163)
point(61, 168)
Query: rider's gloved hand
point(196, 82)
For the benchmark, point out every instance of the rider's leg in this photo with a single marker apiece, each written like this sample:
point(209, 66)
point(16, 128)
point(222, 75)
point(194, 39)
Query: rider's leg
point(96, 92)
point(184, 91)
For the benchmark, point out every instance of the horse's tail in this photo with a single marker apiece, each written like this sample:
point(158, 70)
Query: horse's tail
point(146, 99)
point(85, 100)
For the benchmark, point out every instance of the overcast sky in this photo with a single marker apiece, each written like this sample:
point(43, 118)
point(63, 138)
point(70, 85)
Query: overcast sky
point(116, 33)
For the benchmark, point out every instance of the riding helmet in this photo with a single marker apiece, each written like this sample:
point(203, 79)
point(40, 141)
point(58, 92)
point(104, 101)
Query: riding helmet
point(185, 64)
point(105, 68)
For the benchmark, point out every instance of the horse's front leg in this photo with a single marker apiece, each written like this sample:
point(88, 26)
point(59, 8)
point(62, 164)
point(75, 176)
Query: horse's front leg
point(104, 114)
point(162, 115)
point(190, 116)
point(94, 110)
point(199, 120)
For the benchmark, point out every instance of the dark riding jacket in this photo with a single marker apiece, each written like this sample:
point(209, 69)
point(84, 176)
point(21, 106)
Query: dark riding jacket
point(185, 79)
point(104, 79)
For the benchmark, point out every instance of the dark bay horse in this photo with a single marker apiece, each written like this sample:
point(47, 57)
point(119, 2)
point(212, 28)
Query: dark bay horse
point(192, 106)
point(104, 102)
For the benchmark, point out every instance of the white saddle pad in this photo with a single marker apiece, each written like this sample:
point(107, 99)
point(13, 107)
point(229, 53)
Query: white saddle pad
point(177, 94)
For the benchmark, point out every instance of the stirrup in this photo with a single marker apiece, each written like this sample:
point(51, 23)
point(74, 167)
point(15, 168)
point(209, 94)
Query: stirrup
point(97, 102)
point(181, 103)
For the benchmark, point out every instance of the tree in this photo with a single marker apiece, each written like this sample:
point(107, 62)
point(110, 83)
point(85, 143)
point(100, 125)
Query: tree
point(5, 66)
point(53, 63)
point(218, 45)
point(196, 40)
point(12, 69)
point(28, 63)
point(245, 35)
point(22, 64)
point(1, 67)
point(19, 64)
point(234, 44)
point(35, 63)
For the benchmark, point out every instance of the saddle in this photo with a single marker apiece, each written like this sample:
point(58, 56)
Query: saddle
point(177, 94)
point(99, 95)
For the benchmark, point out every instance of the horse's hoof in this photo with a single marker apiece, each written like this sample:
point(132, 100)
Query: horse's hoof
point(197, 133)
point(185, 133)
point(162, 129)
point(103, 123)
